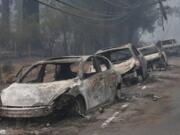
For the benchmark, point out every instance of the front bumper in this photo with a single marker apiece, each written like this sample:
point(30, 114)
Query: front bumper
point(26, 112)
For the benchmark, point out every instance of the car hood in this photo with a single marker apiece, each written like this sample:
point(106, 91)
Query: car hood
point(126, 66)
point(26, 95)
point(152, 57)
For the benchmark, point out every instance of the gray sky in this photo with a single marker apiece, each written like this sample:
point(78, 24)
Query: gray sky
point(172, 27)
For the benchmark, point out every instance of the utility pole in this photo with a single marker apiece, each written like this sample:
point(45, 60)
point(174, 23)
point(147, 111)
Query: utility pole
point(164, 14)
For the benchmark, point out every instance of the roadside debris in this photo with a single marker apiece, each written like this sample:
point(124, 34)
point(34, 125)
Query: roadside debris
point(2, 132)
point(144, 87)
point(101, 110)
point(152, 96)
point(124, 107)
point(156, 98)
point(109, 120)
point(48, 124)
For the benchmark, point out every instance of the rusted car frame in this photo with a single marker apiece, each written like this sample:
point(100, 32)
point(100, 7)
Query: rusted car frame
point(127, 61)
point(76, 84)
point(155, 57)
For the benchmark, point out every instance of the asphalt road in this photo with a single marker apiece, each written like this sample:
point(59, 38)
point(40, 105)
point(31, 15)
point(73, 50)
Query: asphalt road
point(151, 108)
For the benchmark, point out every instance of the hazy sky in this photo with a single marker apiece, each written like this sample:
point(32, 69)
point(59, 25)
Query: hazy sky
point(172, 27)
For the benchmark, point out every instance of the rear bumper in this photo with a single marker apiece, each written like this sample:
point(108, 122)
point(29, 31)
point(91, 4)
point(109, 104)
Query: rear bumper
point(28, 112)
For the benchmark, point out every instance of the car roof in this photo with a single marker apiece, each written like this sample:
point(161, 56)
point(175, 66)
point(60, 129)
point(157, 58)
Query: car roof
point(63, 59)
point(113, 48)
point(146, 47)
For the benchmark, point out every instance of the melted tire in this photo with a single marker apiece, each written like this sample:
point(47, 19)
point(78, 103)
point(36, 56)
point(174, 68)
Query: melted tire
point(78, 107)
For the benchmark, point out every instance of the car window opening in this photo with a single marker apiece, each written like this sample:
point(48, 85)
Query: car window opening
point(148, 51)
point(51, 72)
point(119, 56)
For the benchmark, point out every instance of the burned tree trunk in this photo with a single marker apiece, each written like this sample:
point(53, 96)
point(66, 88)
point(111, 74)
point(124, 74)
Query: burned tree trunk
point(5, 24)
point(5, 13)
point(31, 24)
point(31, 11)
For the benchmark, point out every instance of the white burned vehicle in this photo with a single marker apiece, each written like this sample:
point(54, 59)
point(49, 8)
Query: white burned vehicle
point(127, 61)
point(170, 46)
point(76, 84)
point(155, 57)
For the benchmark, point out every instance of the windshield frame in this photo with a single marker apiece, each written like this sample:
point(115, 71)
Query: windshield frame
point(151, 50)
point(108, 54)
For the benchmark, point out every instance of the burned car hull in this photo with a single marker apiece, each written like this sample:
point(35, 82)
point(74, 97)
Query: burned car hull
point(155, 57)
point(79, 90)
point(131, 65)
point(127, 69)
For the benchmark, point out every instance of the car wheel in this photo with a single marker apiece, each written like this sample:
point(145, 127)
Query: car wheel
point(118, 92)
point(164, 64)
point(140, 76)
point(78, 106)
point(72, 106)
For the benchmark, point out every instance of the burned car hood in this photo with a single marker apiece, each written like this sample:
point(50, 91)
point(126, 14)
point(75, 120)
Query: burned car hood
point(126, 66)
point(152, 57)
point(26, 95)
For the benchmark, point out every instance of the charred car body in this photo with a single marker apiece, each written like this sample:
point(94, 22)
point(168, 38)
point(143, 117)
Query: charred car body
point(154, 57)
point(127, 61)
point(79, 84)
point(170, 46)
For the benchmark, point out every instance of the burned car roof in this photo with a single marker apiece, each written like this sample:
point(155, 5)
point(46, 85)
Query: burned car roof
point(147, 50)
point(63, 59)
point(149, 46)
point(113, 49)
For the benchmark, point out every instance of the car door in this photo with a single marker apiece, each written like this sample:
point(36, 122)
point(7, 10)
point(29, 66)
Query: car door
point(110, 77)
point(93, 83)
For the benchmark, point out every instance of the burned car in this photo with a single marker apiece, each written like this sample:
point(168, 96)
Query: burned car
point(127, 61)
point(79, 84)
point(155, 57)
point(170, 46)
point(167, 44)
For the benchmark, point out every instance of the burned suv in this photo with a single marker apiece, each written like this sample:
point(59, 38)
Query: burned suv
point(155, 57)
point(77, 83)
point(127, 61)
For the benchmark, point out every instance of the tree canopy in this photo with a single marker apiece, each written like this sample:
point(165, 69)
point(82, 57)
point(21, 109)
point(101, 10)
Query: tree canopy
point(83, 26)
